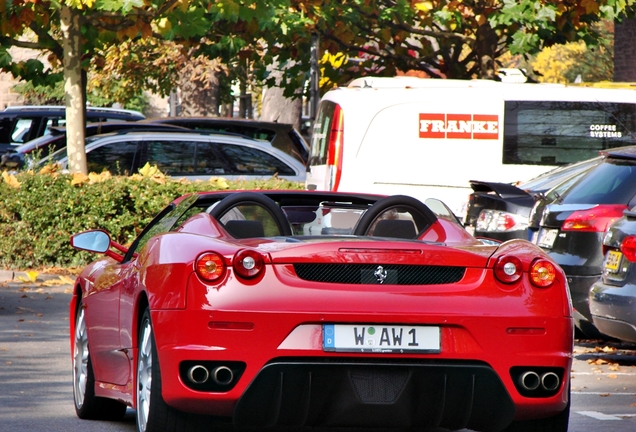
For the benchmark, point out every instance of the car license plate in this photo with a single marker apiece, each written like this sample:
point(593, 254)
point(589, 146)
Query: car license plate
point(547, 237)
point(613, 260)
point(381, 338)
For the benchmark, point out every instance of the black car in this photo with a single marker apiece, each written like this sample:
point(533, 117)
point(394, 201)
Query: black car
point(572, 227)
point(20, 124)
point(501, 211)
point(283, 136)
point(613, 297)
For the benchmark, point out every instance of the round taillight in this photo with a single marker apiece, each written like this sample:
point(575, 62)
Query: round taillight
point(508, 269)
point(248, 263)
point(542, 273)
point(210, 266)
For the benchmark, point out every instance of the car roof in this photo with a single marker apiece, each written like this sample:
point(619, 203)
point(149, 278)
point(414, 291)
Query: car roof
point(42, 109)
point(220, 120)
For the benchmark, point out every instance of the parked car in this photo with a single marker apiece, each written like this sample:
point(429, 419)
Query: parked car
point(572, 227)
point(501, 211)
point(192, 155)
point(281, 135)
point(55, 140)
point(20, 124)
point(305, 308)
point(613, 296)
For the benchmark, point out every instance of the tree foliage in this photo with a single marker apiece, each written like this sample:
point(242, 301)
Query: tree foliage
point(448, 38)
point(565, 63)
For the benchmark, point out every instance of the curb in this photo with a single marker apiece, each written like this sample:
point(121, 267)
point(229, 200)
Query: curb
point(10, 276)
point(6, 275)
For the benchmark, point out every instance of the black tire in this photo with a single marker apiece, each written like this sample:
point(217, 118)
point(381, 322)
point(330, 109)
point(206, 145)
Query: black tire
point(557, 423)
point(153, 414)
point(87, 405)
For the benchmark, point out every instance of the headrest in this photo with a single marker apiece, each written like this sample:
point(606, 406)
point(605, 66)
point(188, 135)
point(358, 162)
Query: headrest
point(396, 228)
point(245, 228)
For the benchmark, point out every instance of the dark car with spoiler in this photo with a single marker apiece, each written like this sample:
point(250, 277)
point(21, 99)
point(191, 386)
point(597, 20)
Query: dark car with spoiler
point(503, 211)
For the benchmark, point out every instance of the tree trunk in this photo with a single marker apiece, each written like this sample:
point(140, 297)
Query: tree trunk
point(74, 88)
point(486, 48)
point(625, 50)
point(200, 96)
point(278, 108)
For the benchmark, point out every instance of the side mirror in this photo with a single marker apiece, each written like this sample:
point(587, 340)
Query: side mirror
point(93, 241)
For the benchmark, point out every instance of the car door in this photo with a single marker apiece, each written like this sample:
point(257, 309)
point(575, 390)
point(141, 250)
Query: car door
point(110, 363)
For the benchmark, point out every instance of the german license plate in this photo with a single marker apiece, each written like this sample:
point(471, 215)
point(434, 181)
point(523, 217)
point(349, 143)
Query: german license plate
point(381, 338)
point(547, 237)
point(613, 260)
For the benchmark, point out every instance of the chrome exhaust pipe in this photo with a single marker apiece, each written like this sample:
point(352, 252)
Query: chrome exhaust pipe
point(222, 375)
point(550, 381)
point(198, 374)
point(530, 380)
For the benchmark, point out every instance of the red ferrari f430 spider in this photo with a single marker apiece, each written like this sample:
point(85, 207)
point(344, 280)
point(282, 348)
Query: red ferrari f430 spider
point(316, 309)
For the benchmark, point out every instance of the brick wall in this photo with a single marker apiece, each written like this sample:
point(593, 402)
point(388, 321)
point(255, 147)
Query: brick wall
point(625, 50)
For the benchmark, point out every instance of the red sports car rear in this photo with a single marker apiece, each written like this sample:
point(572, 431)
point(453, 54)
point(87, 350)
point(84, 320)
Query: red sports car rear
point(283, 308)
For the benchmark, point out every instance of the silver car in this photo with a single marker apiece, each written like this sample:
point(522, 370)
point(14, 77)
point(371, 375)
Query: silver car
point(191, 155)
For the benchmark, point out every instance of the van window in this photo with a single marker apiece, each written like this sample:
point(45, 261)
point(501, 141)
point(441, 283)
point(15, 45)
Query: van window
point(320, 135)
point(558, 132)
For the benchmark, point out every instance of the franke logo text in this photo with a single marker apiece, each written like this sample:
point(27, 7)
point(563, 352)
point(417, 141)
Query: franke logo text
point(459, 126)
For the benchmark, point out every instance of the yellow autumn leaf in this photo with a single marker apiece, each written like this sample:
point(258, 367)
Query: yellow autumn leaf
point(591, 6)
point(220, 182)
point(98, 178)
point(79, 178)
point(32, 275)
point(10, 179)
point(150, 171)
point(424, 6)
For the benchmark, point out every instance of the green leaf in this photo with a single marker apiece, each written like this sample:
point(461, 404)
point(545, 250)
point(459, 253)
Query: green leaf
point(123, 6)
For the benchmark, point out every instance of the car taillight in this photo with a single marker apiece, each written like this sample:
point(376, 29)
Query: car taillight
point(542, 273)
point(248, 263)
point(334, 149)
point(210, 266)
point(500, 221)
point(508, 269)
point(628, 247)
point(595, 219)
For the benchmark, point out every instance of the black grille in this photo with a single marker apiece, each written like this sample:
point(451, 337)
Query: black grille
point(379, 274)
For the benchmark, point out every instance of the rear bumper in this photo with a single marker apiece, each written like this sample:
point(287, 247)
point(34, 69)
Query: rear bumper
point(289, 380)
point(394, 394)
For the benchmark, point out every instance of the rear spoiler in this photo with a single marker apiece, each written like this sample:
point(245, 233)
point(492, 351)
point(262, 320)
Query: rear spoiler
point(503, 190)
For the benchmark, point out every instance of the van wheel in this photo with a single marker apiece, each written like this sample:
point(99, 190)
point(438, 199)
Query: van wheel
point(153, 414)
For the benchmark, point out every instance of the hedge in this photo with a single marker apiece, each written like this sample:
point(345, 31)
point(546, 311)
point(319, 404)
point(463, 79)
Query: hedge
point(40, 211)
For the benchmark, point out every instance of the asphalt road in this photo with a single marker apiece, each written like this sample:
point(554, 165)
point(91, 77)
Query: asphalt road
point(35, 370)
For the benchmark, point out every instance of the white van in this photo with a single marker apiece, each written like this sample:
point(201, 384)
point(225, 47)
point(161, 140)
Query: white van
point(429, 137)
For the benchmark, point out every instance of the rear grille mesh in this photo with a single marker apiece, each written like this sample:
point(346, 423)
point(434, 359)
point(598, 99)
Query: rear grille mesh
point(379, 274)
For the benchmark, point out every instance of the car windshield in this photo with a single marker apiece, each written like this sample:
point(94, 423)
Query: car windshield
point(557, 176)
point(611, 182)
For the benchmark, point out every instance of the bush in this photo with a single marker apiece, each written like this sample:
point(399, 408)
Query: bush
point(39, 212)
